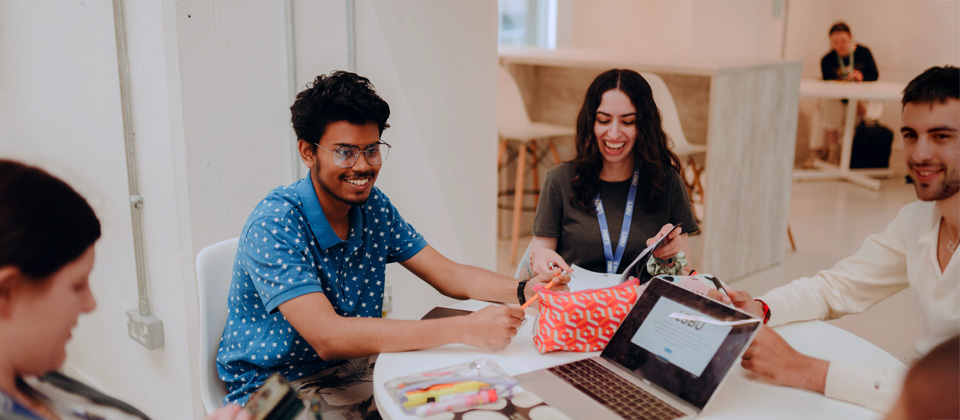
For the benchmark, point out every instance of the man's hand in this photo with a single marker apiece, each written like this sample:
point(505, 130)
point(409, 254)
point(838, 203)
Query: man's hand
point(230, 412)
point(670, 246)
point(771, 358)
point(543, 260)
point(560, 282)
point(741, 300)
point(491, 327)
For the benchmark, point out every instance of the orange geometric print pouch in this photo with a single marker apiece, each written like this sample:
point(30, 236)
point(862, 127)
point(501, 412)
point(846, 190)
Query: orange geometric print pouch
point(583, 320)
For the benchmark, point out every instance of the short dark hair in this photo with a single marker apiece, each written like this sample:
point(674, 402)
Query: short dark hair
point(840, 27)
point(934, 85)
point(341, 96)
point(44, 223)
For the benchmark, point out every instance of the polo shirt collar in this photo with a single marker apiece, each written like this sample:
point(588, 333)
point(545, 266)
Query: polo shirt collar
point(326, 237)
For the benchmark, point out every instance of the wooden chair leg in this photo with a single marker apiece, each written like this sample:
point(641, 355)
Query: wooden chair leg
point(553, 151)
point(793, 245)
point(517, 204)
point(697, 170)
point(503, 148)
point(536, 171)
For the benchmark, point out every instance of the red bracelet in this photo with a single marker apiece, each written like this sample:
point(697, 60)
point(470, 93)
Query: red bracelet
point(766, 311)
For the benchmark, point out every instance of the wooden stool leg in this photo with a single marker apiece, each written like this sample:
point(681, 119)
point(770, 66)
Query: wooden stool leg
point(503, 148)
point(790, 236)
point(553, 151)
point(536, 171)
point(517, 204)
point(696, 180)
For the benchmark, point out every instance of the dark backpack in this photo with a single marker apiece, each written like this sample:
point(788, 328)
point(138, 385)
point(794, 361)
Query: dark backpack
point(871, 146)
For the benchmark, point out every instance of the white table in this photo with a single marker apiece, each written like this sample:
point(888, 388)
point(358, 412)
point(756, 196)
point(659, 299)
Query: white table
point(853, 92)
point(742, 397)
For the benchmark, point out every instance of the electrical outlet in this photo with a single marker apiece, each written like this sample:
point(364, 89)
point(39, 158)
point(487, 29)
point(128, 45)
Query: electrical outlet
point(145, 329)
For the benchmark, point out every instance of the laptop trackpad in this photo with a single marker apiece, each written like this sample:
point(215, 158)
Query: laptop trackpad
point(563, 396)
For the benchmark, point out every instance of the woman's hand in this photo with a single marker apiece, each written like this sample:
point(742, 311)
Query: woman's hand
point(670, 246)
point(544, 260)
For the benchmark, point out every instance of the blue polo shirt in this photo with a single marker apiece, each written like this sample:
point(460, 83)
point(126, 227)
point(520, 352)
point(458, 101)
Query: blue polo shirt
point(288, 249)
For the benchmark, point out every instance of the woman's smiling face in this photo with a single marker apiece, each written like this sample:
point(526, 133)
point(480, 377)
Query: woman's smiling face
point(616, 126)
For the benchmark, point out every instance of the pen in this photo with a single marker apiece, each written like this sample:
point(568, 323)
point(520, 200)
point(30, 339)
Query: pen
point(537, 296)
point(482, 397)
point(716, 283)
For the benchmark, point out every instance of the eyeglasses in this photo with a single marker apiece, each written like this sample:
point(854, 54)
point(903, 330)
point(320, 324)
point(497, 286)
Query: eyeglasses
point(347, 155)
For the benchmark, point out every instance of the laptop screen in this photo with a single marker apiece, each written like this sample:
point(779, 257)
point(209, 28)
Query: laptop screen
point(680, 341)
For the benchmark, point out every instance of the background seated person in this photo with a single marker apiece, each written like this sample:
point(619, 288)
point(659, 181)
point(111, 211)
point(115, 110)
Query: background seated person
point(847, 61)
point(625, 165)
point(46, 255)
point(307, 291)
point(918, 249)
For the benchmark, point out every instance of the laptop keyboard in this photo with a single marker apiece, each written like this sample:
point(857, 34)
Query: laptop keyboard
point(620, 395)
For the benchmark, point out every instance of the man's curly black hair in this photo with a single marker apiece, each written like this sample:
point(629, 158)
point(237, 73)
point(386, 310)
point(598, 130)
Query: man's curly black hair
point(341, 96)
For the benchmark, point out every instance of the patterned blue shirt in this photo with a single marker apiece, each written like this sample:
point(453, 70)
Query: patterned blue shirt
point(288, 249)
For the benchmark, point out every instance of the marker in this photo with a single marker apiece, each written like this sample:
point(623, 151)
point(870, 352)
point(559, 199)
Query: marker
point(455, 403)
point(423, 396)
point(537, 296)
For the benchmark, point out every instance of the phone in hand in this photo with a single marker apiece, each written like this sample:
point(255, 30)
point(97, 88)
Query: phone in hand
point(274, 400)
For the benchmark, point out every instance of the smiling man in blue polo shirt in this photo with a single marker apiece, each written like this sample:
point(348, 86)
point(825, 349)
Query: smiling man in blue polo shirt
point(308, 279)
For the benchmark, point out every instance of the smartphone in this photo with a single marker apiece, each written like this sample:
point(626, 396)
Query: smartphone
point(274, 400)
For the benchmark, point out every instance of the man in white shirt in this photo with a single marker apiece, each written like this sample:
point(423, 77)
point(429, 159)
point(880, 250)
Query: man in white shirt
point(918, 249)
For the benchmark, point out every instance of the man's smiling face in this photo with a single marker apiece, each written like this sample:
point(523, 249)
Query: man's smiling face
point(349, 185)
point(931, 145)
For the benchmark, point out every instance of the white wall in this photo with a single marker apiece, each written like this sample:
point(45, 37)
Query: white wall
point(210, 88)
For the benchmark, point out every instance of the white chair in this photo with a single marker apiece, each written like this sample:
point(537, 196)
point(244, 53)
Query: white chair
point(513, 124)
point(214, 272)
point(671, 126)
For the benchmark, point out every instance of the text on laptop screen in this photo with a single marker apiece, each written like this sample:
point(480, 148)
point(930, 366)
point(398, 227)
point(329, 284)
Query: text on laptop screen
point(687, 343)
point(667, 341)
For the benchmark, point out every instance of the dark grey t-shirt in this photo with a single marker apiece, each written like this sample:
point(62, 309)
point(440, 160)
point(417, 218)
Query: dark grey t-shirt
point(578, 232)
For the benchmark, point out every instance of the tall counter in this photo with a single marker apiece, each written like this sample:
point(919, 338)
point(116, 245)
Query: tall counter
point(744, 110)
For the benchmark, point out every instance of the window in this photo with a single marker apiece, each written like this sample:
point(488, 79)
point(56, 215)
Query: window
point(528, 22)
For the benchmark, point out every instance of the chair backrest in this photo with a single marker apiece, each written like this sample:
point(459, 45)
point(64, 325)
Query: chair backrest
point(670, 116)
point(214, 272)
point(511, 112)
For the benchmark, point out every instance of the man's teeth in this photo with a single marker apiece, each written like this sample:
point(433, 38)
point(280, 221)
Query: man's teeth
point(614, 145)
point(359, 181)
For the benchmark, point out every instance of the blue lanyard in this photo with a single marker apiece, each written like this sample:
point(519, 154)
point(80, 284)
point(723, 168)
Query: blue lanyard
point(613, 261)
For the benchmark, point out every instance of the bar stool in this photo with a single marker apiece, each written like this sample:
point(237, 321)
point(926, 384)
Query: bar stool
point(514, 125)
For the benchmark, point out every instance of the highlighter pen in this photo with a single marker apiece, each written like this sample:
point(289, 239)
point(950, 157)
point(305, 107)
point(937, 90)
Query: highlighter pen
point(415, 398)
point(455, 403)
point(537, 296)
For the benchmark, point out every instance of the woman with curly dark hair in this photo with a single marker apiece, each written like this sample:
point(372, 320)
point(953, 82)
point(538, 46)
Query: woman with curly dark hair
point(622, 191)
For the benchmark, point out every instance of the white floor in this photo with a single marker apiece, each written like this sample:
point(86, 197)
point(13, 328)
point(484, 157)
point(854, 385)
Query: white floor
point(829, 220)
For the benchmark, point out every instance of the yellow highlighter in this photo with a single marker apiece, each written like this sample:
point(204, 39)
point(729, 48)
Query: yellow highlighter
point(423, 396)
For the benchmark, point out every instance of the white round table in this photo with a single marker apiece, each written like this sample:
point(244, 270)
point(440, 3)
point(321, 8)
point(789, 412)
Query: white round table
point(853, 92)
point(742, 397)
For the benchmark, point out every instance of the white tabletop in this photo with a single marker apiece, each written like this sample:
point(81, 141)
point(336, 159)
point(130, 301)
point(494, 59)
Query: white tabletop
point(850, 90)
point(742, 397)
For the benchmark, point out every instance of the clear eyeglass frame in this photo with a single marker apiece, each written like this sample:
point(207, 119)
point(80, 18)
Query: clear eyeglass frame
point(347, 155)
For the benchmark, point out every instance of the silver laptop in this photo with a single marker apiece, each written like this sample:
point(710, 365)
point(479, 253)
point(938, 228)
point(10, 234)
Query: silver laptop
point(666, 361)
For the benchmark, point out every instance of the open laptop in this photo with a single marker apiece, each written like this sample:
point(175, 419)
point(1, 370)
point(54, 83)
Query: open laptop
point(666, 361)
